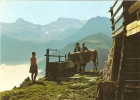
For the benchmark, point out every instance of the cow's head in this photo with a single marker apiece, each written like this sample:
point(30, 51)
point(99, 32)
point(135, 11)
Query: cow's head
point(68, 58)
point(71, 57)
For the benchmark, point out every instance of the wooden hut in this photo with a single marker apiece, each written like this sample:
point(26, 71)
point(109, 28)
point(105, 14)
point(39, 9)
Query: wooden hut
point(125, 52)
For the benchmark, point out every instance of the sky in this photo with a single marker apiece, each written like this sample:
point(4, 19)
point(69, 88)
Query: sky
point(44, 12)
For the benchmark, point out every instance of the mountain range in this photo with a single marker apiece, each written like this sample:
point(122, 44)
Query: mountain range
point(20, 38)
point(57, 30)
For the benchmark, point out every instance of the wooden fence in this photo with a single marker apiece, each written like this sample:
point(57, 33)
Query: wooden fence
point(120, 28)
point(47, 59)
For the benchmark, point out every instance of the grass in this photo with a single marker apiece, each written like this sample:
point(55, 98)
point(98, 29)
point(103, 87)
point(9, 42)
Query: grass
point(77, 89)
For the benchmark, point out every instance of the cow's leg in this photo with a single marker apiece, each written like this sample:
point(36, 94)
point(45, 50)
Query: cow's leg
point(83, 68)
point(83, 65)
point(75, 65)
point(95, 66)
point(78, 67)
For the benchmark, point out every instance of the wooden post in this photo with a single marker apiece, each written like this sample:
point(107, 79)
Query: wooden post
point(113, 28)
point(59, 57)
point(47, 63)
point(138, 15)
point(120, 81)
point(65, 57)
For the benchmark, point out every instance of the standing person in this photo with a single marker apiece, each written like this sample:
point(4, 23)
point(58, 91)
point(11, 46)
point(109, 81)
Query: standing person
point(77, 47)
point(84, 48)
point(33, 67)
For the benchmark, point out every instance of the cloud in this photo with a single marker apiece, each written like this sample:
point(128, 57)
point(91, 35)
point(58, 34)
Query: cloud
point(11, 76)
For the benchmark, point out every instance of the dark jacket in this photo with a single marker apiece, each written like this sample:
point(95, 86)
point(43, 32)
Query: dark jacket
point(78, 49)
point(85, 48)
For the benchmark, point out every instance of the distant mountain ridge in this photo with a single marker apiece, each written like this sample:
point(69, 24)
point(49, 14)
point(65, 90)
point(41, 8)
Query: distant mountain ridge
point(94, 26)
point(65, 23)
point(28, 31)
point(63, 28)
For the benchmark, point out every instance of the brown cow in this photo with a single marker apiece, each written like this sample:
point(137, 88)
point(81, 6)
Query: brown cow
point(84, 57)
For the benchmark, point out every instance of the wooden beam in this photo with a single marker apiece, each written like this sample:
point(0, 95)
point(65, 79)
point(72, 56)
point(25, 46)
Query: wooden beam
point(118, 34)
point(53, 49)
point(135, 7)
point(113, 28)
point(47, 63)
point(53, 55)
point(117, 20)
point(118, 28)
point(138, 15)
point(133, 25)
point(117, 11)
point(59, 58)
point(111, 8)
point(65, 57)
point(133, 31)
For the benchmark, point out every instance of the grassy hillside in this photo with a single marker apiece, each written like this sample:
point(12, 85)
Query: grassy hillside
point(81, 88)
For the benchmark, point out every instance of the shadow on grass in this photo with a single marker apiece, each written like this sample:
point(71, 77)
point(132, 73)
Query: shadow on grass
point(39, 83)
point(91, 73)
